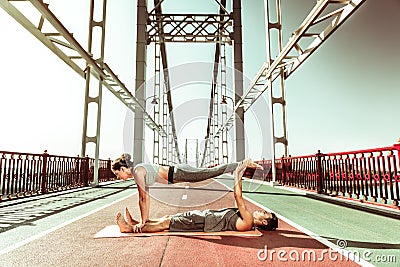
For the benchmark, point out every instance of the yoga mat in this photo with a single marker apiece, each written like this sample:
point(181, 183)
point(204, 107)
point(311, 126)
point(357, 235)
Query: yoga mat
point(112, 231)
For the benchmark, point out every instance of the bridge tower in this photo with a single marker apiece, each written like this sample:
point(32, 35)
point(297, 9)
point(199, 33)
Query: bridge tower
point(159, 28)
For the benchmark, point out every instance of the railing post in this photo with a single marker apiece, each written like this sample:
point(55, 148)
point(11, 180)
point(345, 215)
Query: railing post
point(283, 170)
point(397, 146)
point(397, 168)
point(263, 170)
point(109, 172)
point(320, 182)
point(76, 172)
point(44, 173)
point(86, 171)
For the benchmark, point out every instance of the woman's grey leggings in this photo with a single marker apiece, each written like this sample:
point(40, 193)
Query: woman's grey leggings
point(187, 173)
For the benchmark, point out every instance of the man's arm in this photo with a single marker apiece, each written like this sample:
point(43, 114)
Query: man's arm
point(246, 223)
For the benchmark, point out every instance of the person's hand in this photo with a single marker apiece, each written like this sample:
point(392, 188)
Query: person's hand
point(137, 228)
point(253, 165)
point(241, 167)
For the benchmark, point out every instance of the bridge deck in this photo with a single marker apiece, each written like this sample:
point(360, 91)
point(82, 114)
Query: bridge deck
point(59, 229)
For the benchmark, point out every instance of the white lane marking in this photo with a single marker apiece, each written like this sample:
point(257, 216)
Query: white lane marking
point(351, 255)
point(184, 197)
point(39, 235)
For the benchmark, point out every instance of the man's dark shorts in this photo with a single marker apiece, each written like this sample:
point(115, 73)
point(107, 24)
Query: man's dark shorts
point(191, 221)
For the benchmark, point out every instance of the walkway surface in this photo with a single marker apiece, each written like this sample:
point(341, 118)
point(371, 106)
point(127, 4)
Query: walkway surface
point(58, 229)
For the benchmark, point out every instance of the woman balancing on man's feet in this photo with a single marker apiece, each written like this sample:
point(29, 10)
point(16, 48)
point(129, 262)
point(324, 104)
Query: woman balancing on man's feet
point(146, 175)
point(228, 219)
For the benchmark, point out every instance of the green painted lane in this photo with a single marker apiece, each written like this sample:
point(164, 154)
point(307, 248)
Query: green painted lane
point(24, 222)
point(375, 238)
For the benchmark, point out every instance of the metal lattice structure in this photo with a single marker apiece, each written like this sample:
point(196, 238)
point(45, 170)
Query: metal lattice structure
point(216, 28)
point(326, 17)
point(62, 43)
point(46, 27)
point(199, 28)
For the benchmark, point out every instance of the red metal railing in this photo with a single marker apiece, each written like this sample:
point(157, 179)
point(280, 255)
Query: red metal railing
point(25, 174)
point(370, 174)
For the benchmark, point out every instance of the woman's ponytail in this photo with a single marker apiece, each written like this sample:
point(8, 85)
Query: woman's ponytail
point(123, 161)
point(127, 158)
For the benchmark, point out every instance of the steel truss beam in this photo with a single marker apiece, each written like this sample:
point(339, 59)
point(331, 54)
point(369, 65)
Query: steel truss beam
point(213, 112)
point(215, 28)
point(206, 28)
point(326, 17)
point(99, 94)
point(62, 43)
point(156, 107)
point(160, 30)
point(224, 109)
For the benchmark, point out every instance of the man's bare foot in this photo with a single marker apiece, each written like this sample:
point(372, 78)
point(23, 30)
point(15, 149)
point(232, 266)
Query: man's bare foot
point(124, 227)
point(129, 218)
point(253, 165)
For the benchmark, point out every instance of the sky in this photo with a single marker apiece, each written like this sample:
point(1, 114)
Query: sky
point(344, 97)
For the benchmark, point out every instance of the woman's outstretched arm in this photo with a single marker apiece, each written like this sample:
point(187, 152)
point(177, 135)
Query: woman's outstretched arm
point(144, 198)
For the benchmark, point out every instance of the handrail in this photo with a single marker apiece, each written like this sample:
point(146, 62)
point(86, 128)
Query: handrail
point(367, 174)
point(27, 174)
